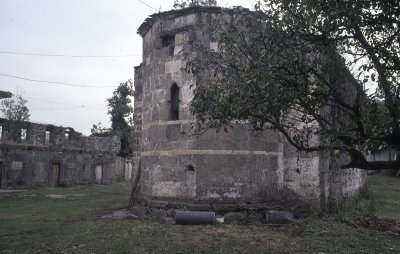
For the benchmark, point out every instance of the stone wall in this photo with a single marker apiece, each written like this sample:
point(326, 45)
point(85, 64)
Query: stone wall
point(66, 157)
point(213, 169)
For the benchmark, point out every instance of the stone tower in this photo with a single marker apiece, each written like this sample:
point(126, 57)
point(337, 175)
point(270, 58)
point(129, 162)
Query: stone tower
point(215, 170)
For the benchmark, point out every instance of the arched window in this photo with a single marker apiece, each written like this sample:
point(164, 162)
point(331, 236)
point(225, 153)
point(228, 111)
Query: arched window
point(174, 115)
point(48, 135)
point(67, 132)
point(23, 135)
point(47, 138)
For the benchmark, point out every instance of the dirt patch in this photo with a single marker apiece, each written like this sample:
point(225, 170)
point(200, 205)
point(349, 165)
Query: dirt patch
point(122, 214)
point(56, 196)
point(390, 226)
point(5, 192)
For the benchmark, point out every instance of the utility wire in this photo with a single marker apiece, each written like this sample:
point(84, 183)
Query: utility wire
point(60, 109)
point(148, 5)
point(63, 55)
point(64, 104)
point(55, 82)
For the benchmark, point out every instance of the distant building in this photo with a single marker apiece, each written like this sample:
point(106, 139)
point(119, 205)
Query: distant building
point(51, 155)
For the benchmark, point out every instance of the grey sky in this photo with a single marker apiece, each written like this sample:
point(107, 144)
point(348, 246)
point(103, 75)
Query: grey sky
point(78, 28)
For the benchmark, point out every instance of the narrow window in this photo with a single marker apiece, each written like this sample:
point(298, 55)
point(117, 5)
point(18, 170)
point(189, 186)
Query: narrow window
point(174, 102)
point(189, 167)
point(47, 138)
point(169, 41)
point(67, 136)
point(23, 135)
point(1, 132)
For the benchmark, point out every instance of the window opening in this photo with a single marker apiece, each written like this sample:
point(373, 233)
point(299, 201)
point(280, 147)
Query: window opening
point(1, 132)
point(174, 102)
point(169, 41)
point(189, 167)
point(47, 138)
point(67, 137)
point(23, 135)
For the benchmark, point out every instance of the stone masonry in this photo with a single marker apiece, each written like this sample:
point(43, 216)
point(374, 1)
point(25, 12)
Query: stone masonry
point(51, 155)
point(215, 170)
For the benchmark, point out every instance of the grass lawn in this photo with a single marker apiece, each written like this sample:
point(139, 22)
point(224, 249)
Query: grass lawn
point(385, 192)
point(32, 222)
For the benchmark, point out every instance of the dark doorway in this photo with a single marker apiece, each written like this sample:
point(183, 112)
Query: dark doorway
point(55, 174)
point(174, 102)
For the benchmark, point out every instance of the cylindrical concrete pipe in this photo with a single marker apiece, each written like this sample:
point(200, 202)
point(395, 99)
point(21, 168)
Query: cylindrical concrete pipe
point(194, 217)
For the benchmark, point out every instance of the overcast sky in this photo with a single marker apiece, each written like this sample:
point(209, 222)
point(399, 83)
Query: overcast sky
point(73, 28)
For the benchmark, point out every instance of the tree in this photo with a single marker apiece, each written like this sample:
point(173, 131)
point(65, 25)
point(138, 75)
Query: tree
point(5, 94)
point(120, 110)
point(325, 74)
point(100, 131)
point(16, 112)
point(180, 4)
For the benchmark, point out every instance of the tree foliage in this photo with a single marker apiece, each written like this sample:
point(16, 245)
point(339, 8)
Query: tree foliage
point(179, 4)
point(99, 131)
point(325, 74)
point(5, 94)
point(120, 111)
point(16, 112)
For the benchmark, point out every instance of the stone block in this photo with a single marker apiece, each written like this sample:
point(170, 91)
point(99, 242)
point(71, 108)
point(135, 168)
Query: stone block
point(194, 217)
point(272, 216)
point(173, 132)
point(173, 66)
point(181, 38)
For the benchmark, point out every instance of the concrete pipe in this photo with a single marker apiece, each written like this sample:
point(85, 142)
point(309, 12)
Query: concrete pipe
point(194, 217)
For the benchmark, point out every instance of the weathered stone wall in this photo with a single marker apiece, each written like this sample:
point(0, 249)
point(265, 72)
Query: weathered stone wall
point(31, 161)
point(214, 168)
point(337, 183)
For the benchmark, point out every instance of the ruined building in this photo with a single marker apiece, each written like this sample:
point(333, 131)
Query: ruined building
point(50, 155)
point(215, 171)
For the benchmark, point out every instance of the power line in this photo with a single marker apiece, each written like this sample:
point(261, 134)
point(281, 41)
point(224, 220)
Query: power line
point(92, 106)
point(55, 82)
point(64, 55)
point(60, 109)
point(148, 5)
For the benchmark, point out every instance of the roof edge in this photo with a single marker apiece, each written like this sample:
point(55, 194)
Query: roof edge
point(148, 23)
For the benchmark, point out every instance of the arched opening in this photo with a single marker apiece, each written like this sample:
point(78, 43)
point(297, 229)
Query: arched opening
point(48, 135)
point(174, 102)
point(67, 132)
point(47, 138)
point(23, 135)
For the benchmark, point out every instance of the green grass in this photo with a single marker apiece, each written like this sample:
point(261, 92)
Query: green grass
point(385, 192)
point(31, 222)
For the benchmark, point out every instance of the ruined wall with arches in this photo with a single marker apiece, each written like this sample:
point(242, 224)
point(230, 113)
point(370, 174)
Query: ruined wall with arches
point(45, 154)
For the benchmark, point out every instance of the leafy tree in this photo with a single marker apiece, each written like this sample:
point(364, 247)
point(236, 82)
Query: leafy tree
point(325, 74)
point(179, 4)
point(120, 110)
point(5, 94)
point(16, 112)
point(100, 131)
